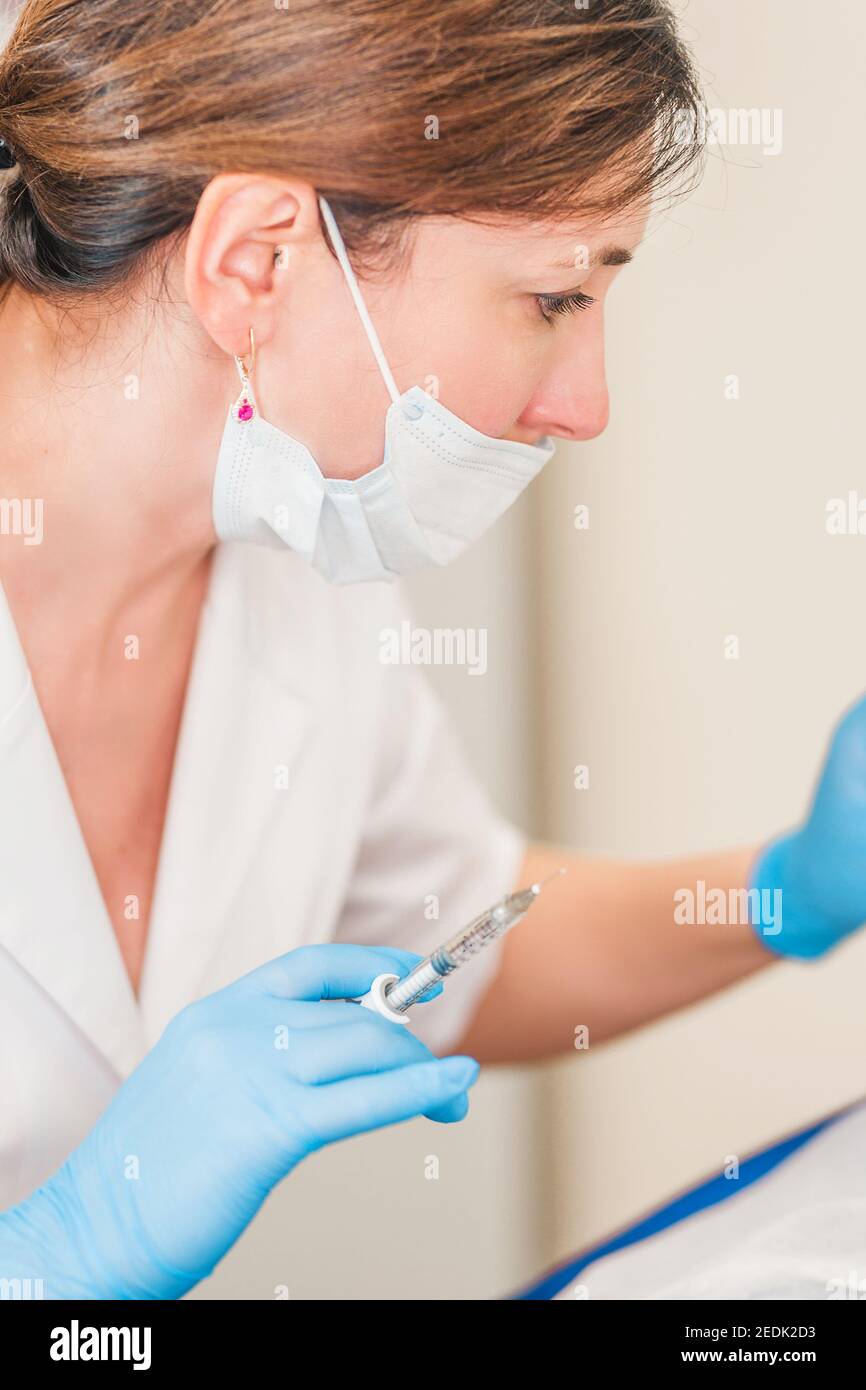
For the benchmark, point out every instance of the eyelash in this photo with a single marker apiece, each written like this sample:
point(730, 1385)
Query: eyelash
point(551, 304)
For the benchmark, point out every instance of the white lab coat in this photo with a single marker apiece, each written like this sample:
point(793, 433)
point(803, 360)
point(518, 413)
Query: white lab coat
point(317, 795)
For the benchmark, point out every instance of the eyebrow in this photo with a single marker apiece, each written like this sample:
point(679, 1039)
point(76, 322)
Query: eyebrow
point(609, 255)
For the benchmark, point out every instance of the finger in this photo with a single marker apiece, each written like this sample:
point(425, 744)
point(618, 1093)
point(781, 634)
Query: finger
point(302, 1014)
point(331, 971)
point(449, 1114)
point(363, 1103)
point(368, 1044)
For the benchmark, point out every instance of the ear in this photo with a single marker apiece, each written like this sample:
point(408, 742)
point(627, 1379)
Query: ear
point(231, 279)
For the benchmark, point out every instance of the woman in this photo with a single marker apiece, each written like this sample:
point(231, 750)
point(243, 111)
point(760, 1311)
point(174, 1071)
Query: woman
point(205, 762)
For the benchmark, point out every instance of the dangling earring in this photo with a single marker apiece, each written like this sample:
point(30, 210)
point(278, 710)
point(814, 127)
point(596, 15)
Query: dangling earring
point(244, 407)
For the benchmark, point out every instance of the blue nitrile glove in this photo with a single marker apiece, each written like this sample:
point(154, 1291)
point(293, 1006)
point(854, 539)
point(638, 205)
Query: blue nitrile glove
point(816, 875)
point(240, 1087)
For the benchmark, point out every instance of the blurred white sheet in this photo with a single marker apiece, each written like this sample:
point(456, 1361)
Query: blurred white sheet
point(798, 1233)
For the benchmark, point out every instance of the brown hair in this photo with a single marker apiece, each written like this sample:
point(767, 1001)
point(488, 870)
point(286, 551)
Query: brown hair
point(119, 115)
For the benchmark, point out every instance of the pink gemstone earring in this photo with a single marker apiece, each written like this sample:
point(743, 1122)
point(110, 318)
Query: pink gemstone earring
point(244, 407)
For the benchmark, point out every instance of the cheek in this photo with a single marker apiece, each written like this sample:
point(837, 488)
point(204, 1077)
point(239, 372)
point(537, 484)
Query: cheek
point(490, 396)
point(321, 385)
point(487, 377)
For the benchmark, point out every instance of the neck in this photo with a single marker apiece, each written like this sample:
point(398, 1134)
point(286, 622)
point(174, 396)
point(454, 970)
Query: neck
point(113, 419)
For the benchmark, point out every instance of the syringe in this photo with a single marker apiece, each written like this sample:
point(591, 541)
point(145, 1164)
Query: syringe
point(391, 996)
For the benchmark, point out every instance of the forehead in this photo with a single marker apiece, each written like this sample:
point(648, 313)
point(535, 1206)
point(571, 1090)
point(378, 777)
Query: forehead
point(514, 244)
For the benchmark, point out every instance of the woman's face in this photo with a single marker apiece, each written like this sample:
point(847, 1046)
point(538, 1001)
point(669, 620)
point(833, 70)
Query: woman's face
point(505, 325)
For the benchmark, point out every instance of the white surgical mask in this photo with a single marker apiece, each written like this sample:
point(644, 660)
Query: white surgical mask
point(440, 485)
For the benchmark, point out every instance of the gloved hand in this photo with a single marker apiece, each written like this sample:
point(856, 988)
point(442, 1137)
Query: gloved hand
point(240, 1087)
point(817, 872)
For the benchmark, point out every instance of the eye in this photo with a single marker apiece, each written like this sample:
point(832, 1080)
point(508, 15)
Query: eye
point(551, 304)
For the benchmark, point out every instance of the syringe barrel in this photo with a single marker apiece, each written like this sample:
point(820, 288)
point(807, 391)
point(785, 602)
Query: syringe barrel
point(467, 943)
point(459, 949)
point(404, 993)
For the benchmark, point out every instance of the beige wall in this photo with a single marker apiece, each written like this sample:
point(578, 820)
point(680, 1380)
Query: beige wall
point(707, 519)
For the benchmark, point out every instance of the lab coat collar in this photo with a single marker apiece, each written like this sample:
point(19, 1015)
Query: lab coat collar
point(248, 707)
point(53, 918)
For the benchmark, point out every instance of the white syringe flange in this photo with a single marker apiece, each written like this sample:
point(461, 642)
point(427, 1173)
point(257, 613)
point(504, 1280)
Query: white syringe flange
point(377, 1000)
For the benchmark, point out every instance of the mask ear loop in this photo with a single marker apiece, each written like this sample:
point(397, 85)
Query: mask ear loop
point(244, 407)
point(410, 408)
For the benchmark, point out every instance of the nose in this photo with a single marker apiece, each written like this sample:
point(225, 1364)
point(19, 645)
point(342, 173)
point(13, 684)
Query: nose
point(572, 400)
